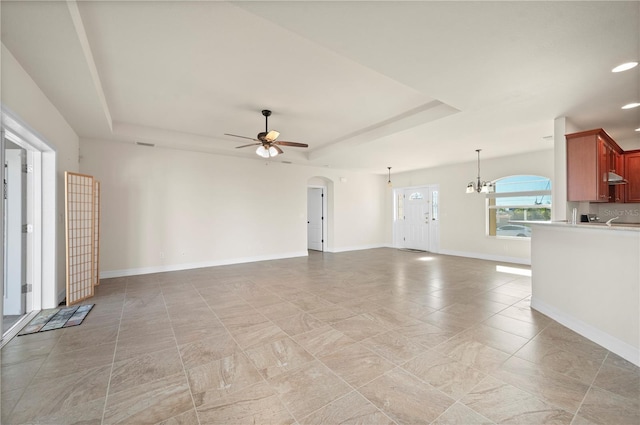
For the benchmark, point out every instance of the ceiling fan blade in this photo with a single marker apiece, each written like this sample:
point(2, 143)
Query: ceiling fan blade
point(271, 136)
point(242, 137)
point(295, 144)
point(250, 144)
point(280, 151)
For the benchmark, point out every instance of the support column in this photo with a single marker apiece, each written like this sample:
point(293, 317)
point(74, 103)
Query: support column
point(560, 210)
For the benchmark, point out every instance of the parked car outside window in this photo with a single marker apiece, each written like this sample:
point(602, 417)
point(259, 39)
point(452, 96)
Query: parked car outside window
point(513, 230)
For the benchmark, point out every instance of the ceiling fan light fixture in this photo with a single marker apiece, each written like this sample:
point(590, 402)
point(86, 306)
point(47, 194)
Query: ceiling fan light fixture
point(266, 140)
point(265, 152)
point(631, 105)
point(625, 67)
point(261, 151)
point(471, 188)
point(389, 184)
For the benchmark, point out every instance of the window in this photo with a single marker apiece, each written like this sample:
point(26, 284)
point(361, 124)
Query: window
point(434, 205)
point(399, 206)
point(517, 201)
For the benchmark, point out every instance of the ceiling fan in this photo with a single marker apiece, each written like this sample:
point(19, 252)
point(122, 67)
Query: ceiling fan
point(266, 140)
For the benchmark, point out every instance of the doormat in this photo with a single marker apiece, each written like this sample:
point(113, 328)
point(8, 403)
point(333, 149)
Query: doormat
point(56, 318)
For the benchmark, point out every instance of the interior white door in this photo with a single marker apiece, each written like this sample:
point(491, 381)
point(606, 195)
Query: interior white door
point(315, 199)
point(417, 217)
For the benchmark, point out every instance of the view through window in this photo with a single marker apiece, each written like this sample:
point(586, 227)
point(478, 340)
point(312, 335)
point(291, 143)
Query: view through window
point(517, 201)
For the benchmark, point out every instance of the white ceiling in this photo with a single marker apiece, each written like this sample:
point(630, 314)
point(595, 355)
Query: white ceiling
point(366, 84)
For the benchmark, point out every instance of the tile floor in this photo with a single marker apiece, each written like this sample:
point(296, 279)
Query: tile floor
point(370, 337)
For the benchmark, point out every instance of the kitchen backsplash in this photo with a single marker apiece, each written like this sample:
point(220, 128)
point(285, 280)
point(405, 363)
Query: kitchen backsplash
point(627, 213)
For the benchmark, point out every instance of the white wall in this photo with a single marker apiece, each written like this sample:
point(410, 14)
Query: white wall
point(168, 209)
point(26, 102)
point(588, 279)
point(463, 216)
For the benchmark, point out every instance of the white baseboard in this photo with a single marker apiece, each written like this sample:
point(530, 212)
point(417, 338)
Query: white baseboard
point(490, 257)
point(611, 343)
point(356, 248)
point(187, 266)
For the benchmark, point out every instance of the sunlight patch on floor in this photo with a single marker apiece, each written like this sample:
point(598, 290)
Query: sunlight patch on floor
point(513, 270)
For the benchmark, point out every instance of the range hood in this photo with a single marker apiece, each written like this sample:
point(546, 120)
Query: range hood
point(614, 178)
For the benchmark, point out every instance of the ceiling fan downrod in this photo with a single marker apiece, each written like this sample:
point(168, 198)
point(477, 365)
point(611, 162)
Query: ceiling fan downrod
point(267, 114)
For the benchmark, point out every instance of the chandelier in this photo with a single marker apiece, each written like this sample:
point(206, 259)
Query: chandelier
point(480, 186)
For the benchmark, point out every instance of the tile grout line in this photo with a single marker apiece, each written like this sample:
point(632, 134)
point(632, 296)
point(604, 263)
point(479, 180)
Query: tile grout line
point(115, 350)
point(532, 394)
point(354, 389)
point(286, 371)
point(244, 353)
point(575, 415)
point(184, 370)
point(315, 282)
point(24, 389)
point(450, 407)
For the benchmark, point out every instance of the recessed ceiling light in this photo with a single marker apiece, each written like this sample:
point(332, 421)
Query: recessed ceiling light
point(625, 67)
point(631, 105)
point(638, 129)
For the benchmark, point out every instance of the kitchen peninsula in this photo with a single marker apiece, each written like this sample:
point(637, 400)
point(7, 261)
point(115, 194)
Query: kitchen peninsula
point(587, 277)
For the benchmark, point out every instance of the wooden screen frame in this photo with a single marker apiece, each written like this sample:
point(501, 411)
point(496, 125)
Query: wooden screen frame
point(96, 234)
point(79, 232)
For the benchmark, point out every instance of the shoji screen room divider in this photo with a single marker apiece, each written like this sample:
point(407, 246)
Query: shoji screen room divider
point(82, 212)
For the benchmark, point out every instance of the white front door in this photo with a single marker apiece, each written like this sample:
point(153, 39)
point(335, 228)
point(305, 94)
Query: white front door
point(416, 218)
point(315, 199)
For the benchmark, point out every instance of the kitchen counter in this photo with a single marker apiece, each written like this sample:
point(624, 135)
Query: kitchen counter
point(587, 277)
point(614, 226)
point(634, 227)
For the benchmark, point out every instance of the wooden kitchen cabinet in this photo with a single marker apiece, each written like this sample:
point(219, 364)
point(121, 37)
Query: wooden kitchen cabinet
point(632, 175)
point(619, 191)
point(591, 155)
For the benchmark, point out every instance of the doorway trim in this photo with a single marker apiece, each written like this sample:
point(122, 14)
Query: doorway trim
point(324, 214)
point(41, 214)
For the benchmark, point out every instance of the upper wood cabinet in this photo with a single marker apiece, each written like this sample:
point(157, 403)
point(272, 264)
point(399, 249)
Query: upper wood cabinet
point(632, 175)
point(591, 155)
point(619, 190)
